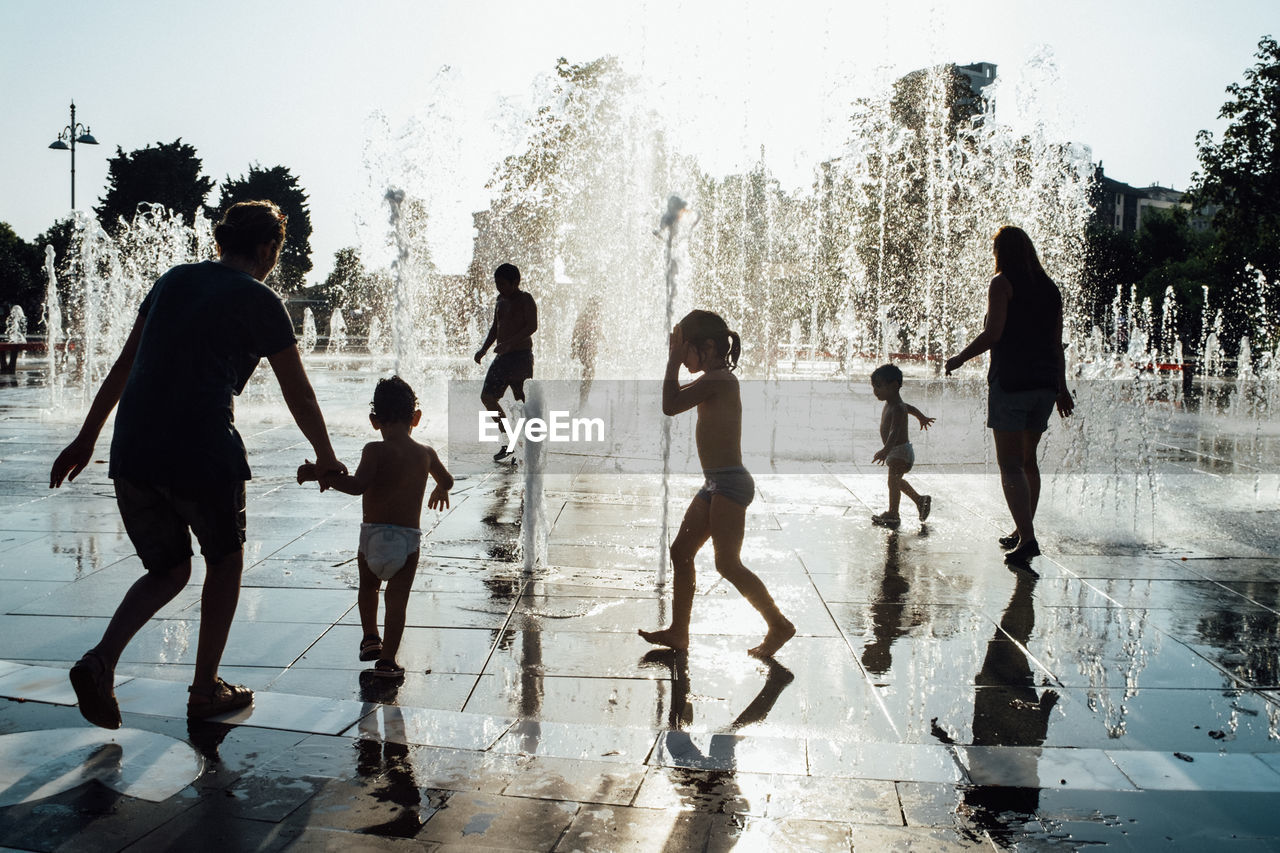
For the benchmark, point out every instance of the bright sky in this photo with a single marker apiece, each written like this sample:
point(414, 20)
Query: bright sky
point(354, 96)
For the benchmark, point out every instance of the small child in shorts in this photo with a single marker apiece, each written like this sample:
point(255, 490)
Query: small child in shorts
point(392, 478)
point(897, 453)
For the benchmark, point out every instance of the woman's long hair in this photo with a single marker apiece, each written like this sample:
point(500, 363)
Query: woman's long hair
point(702, 326)
point(1016, 255)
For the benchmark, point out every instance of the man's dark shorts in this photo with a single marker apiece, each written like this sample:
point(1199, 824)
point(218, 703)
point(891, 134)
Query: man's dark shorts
point(508, 370)
point(160, 521)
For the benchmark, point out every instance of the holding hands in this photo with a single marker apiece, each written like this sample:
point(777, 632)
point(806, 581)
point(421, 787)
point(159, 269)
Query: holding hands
point(316, 472)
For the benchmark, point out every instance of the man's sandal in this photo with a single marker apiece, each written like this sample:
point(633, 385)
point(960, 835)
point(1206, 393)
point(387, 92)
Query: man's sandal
point(95, 693)
point(223, 697)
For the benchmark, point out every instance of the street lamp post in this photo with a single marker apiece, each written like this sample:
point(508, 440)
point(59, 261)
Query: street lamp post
point(67, 139)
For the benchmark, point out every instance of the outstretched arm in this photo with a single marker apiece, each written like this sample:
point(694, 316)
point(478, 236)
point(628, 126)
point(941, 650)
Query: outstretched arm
point(925, 420)
point(998, 296)
point(300, 397)
point(349, 484)
point(73, 459)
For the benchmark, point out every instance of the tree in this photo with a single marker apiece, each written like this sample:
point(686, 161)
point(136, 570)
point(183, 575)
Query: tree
point(168, 174)
point(19, 283)
point(276, 184)
point(1241, 176)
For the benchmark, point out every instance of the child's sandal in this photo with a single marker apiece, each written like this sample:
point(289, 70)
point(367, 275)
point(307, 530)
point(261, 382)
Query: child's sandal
point(386, 669)
point(371, 647)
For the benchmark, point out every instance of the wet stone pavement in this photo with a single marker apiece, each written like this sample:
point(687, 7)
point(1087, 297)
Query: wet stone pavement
point(1127, 696)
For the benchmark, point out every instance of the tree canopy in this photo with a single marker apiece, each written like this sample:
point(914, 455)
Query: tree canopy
point(168, 174)
point(18, 283)
point(1240, 175)
point(280, 185)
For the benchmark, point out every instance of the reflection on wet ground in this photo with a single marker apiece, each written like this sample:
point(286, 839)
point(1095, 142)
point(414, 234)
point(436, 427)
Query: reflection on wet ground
point(1126, 694)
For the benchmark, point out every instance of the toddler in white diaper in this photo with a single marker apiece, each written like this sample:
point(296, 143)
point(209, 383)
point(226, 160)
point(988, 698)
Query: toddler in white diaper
point(897, 454)
point(392, 478)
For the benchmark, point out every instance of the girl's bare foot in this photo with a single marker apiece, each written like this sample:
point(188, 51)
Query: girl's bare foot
point(671, 638)
point(774, 640)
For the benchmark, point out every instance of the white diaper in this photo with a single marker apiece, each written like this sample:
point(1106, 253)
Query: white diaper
point(386, 547)
point(905, 452)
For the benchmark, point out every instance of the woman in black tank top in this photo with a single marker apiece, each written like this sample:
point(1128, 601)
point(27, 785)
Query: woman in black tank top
point(1026, 380)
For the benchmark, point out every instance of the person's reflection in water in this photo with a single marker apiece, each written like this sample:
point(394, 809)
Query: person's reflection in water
point(382, 756)
point(887, 612)
point(707, 781)
point(1007, 711)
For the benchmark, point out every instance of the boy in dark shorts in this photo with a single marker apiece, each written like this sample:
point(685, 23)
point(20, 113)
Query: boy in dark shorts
point(392, 477)
point(178, 463)
point(515, 319)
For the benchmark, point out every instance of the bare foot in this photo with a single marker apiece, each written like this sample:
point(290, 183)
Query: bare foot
point(671, 638)
point(774, 640)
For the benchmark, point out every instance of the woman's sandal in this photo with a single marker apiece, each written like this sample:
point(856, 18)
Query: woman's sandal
point(371, 647)
point(1010, 541)
point(95, 693)
point(386, 669)
point(223, 697)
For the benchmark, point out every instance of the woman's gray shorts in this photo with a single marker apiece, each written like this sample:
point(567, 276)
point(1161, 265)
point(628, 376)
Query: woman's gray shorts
point(1019, 411)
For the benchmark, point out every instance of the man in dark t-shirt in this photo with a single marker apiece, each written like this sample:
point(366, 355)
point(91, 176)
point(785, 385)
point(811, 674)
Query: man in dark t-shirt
point(178, 463)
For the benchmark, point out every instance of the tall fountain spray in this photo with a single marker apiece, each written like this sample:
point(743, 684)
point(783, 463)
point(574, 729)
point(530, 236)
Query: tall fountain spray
point(53, 326)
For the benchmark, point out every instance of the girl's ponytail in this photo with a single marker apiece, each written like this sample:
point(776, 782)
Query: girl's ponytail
point(735, 349)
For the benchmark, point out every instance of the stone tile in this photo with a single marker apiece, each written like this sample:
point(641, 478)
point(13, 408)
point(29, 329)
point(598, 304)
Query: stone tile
point(729, 752)
point(1207, 771)
point(623, 702)
point(785, 835)
point(443, 691)
point(100, 593)
point(49, 638)
point(889, 761)
point(828, 799)
point(597, 782)
point(442, 610)
point(569, 740)
point(488, 820)
point(269, 710)
point(262, 644)
point(427, 727)
point(17, 593)
point(43, 684)
point(463, 770)
point(269, 604)
point(438, 650)
point(604, 829)
point(1034, 767)
point(679, 789)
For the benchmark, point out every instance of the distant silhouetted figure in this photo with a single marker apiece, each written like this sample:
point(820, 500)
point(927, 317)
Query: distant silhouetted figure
point(392, 478)
point(897, 454)
point(703, 344)
point(583, 346)
point(1027, 377)
point(178, 463)
point(515, 319)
